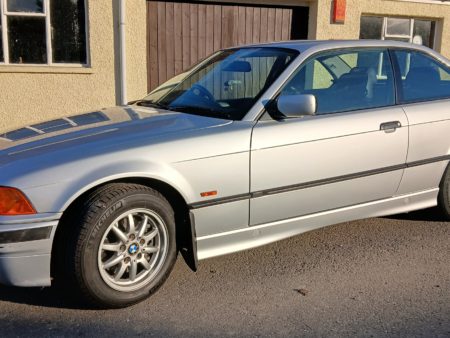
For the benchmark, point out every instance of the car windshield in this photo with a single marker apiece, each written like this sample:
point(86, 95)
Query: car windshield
point(226, 85)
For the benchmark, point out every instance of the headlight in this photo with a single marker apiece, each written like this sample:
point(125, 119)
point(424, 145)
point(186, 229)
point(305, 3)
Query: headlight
point(13, 202)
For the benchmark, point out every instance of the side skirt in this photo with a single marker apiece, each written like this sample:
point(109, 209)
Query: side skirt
point(251, 237)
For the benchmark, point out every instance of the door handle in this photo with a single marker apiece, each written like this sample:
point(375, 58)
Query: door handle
point(390, 127)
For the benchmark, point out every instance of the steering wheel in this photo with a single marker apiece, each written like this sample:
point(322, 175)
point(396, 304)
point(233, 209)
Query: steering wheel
point(201, 91)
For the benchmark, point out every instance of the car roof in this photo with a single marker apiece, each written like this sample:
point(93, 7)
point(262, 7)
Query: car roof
point(323, 45)
point(303, 45)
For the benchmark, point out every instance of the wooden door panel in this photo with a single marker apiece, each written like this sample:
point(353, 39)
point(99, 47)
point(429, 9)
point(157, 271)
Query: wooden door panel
point(181, 34)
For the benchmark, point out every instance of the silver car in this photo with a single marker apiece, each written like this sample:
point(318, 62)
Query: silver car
point(253, 145)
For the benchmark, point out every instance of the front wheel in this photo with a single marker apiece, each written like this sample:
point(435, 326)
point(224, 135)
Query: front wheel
point(444, 193)
point(123, 245)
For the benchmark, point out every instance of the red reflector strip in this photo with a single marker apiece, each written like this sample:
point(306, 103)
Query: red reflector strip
point(209, 193)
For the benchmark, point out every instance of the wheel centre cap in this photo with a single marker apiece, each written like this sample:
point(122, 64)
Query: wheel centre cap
point(133, 248)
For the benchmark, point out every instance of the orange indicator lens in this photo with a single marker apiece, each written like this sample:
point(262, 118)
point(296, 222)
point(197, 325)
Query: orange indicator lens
point(209, 193)
point(13, 202)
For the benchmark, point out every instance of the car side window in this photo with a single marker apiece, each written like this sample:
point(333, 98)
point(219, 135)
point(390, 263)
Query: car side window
point(422, 77)
point(346, 80)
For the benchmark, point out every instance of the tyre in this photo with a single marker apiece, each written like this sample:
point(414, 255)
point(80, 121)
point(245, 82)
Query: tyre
point(122, 245)
point(444, 194)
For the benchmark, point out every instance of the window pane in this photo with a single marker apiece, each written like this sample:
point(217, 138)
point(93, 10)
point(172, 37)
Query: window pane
point(371, 27)
point(26, 36)
point(322, 78)
point(34, 6)
point(423, 78)
point(339, 65)
point(424, 29)
point(398, 39)
point(68, 31)
point(398, 26)
point(367, 83)
point(228, 84)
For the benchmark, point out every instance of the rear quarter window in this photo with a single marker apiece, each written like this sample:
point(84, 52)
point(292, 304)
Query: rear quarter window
point(422, 78)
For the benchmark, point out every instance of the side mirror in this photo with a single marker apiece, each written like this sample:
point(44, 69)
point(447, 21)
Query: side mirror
point(297, 105)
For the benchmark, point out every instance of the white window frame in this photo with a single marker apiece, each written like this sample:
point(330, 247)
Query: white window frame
point(385, 35)
point(48, 36)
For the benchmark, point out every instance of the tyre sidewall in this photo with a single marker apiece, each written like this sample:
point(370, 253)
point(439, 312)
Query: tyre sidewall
point(92, 279)
point(444, 192)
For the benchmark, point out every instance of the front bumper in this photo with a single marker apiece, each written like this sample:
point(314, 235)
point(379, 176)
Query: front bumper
point(25, 249)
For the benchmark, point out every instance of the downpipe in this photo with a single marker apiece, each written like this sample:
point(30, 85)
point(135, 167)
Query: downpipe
point(123, 54)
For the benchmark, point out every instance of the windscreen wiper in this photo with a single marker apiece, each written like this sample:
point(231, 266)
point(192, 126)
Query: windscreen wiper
point(148, 103)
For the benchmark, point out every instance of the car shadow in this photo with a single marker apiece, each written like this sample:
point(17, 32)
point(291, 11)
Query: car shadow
point(427, 215)
point(50, 297)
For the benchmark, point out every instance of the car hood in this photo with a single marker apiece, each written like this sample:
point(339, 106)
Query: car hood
point(114, 125)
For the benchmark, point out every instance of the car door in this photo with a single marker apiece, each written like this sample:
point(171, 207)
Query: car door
point(424, 92)
point(351, 152)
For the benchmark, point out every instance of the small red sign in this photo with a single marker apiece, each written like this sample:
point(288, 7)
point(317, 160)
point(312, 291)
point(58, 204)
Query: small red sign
point(339, 11)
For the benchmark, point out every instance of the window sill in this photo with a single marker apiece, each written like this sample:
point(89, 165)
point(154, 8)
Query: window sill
point(46, 69)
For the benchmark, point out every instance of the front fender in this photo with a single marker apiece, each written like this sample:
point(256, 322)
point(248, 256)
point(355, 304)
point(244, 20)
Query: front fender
point(58, 196)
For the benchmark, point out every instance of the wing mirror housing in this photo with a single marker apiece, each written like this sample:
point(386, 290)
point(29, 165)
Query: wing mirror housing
point(292, 106)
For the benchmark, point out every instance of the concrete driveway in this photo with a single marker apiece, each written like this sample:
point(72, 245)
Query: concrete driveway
point(381, 277)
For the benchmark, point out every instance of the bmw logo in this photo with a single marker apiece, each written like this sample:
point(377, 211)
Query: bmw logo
point(133, 249)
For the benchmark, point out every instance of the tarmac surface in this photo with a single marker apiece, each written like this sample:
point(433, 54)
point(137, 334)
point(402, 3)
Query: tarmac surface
point(382, 277)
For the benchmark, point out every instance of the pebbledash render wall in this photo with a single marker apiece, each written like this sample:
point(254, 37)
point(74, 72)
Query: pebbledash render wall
point(31, 94)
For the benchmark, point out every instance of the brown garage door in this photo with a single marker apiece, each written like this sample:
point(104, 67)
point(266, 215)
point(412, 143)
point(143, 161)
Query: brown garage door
point(180, 34)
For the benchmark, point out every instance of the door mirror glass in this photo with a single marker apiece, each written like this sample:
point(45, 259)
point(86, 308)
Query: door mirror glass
point(292, 106)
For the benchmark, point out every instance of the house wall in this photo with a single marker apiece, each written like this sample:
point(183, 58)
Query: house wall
point(323, 28)
point(33, 94)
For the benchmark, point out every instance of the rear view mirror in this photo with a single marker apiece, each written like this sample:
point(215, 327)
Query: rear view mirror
point(297, 105)
point(238, 67)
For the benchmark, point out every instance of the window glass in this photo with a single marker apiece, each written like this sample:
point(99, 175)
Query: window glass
point(339, 65)
point(68, 31)
point(321, 78)
point(26, 36)
point(398, 39)
point(422, 77)
point(371, 27)
point(398, 29)
point(226, 85)
point(367, 83)
point(424, 29)
point(30, 6)
point(396, 26)
point(25, 23)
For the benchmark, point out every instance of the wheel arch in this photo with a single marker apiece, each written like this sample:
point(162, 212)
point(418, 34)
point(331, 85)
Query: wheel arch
point(183, 221)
